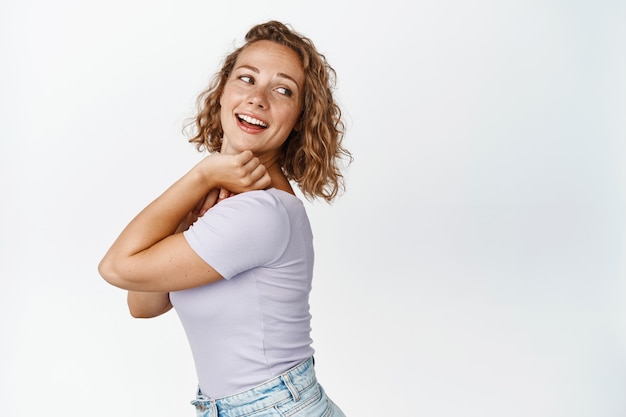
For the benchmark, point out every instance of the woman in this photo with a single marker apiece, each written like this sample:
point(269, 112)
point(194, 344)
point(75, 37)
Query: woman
point(229, 245)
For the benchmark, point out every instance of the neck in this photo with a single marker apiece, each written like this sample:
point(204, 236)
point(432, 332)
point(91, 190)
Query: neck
point(279, 180)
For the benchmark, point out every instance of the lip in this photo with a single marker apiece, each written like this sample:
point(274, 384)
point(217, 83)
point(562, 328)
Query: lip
point(250, 128)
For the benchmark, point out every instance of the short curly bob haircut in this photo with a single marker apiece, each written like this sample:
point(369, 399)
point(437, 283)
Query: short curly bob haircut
point(312, 155)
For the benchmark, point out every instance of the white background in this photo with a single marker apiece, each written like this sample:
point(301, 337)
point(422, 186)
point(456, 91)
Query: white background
point(475, 267)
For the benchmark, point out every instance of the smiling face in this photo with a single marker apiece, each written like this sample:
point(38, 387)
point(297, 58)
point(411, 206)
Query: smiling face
point(262, 100)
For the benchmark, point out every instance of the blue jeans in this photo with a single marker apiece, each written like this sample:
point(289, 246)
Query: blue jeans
point(293, 393)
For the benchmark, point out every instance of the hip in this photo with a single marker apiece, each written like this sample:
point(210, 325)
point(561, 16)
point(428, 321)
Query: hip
point(295, 392)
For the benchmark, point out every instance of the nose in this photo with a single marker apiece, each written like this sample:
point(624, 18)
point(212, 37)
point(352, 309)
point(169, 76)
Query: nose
point(258, 97)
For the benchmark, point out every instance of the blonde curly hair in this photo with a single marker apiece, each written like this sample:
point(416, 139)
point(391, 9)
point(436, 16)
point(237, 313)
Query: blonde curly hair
point(312, 155)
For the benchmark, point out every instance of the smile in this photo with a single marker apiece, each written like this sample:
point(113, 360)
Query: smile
point(251, 120)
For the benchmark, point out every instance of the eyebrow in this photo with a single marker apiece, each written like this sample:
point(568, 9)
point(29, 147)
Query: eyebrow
point(280, 74)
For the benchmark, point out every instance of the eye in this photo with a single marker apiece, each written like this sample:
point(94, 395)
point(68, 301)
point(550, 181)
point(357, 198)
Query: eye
point(246, 79)
point(284, 91)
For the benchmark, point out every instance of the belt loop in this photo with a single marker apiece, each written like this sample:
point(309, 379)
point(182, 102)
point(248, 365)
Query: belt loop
point(202, 407)
point(292, 389)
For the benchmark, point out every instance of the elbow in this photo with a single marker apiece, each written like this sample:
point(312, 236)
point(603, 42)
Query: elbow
point(110, 274)
point(107, 272)
point(148, 305)
point(138, 313)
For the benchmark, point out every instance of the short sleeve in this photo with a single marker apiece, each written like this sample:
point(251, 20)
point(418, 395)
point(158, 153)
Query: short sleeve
point(242, 232)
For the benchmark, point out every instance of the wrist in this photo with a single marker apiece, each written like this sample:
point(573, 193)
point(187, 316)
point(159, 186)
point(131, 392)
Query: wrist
point(203, 175)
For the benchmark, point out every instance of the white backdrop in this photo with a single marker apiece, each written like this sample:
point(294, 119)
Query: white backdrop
point(475, 267)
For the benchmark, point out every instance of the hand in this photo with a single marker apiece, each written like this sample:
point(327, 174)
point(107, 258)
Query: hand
point(224, 194)
point(198, 211)
point(258, 169)
point(235, 173)
point(231, 174)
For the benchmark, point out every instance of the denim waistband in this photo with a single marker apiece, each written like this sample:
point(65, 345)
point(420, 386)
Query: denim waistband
point(288, 385)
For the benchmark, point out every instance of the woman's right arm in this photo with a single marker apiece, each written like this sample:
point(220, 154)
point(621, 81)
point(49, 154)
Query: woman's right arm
point(148, 256)
point(145, 305)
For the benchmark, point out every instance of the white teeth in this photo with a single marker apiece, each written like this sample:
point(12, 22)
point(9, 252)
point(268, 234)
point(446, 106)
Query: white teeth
point(252, 120)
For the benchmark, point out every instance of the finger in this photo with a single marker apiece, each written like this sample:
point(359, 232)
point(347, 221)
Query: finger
point(265, 181)
point(198, 207)
point(251, 164)
point(224, 193)
point(209, 201)
point(244, 157)
point(259, 173)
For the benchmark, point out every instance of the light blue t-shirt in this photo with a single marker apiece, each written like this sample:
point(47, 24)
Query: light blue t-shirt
point(254, 324)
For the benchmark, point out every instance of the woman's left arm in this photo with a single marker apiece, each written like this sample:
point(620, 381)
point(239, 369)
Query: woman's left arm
point(145, 305)
point(149, 256)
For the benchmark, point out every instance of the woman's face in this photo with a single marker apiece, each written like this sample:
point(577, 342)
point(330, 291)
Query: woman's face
point(262, 100)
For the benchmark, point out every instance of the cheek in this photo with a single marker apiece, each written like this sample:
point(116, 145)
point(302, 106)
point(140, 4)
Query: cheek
point(223, 97)
point(227, 94)
point(292, 115)
point(221, 108)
